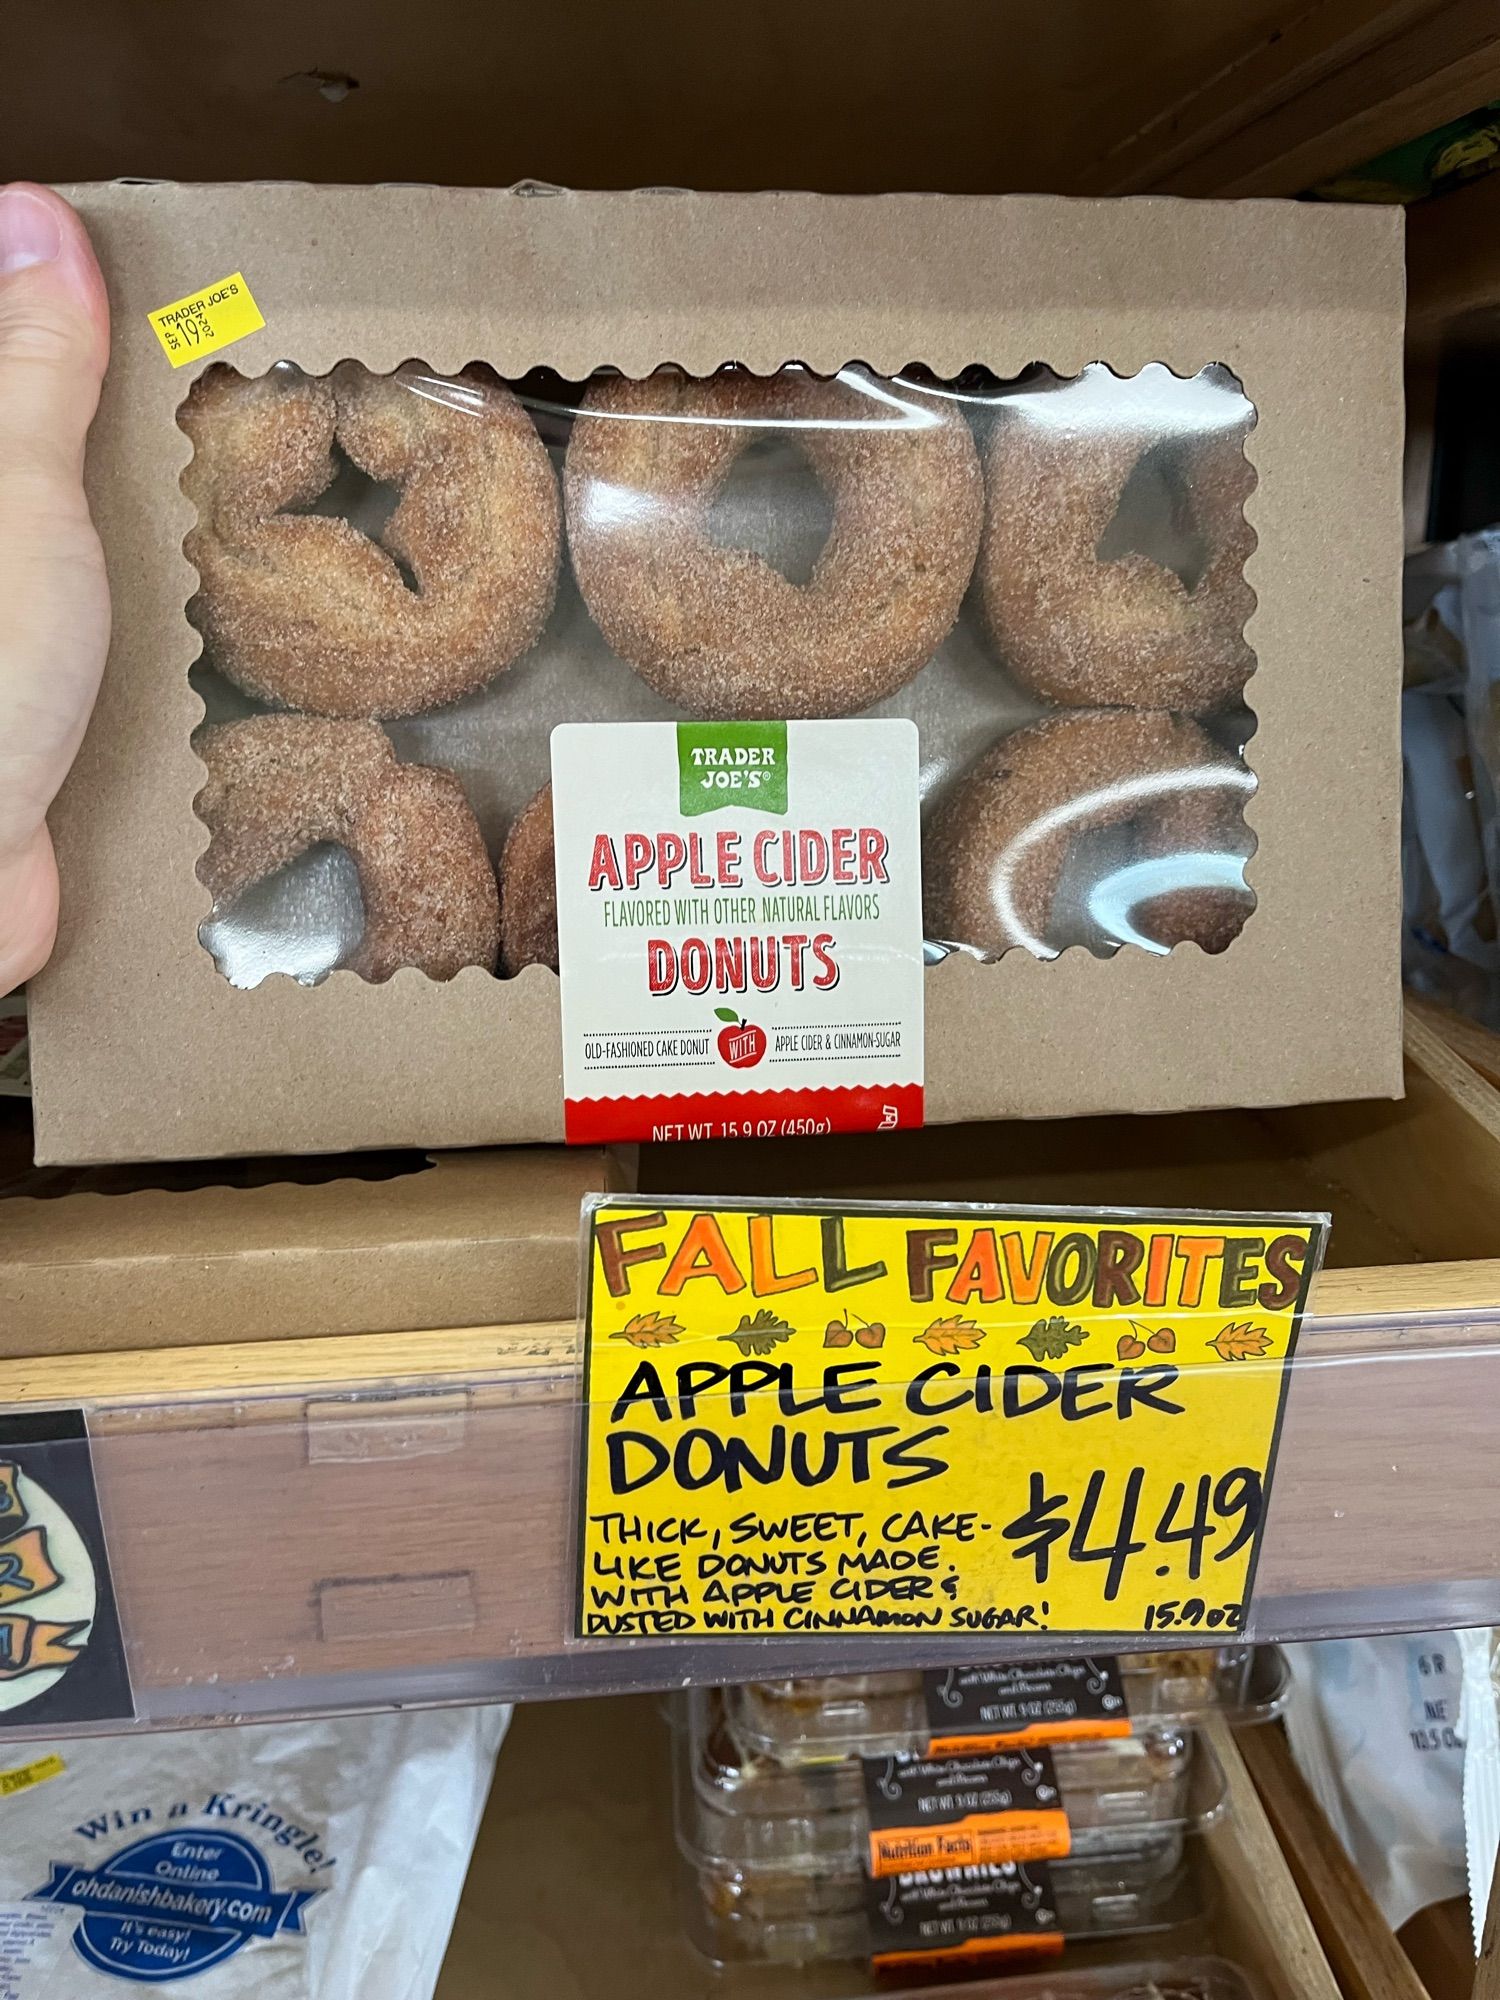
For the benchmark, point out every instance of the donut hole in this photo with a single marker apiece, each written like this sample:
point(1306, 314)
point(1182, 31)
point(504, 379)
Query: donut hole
point(1094, 857)
point(366, 504)
point(1158, 518)
point(304, 920)
point(1111, 893)
point(772, 505)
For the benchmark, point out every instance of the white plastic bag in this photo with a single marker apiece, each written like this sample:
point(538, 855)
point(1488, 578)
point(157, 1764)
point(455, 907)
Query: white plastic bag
point(1450, 840)
point(292, 1861)
point(1481, 1726)
point(1374, 1725)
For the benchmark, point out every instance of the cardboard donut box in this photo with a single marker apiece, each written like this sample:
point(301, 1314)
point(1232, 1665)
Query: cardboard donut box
point(119, 1259)
point(143, 1049)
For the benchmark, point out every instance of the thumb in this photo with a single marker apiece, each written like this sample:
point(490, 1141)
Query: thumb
point(54, 601)
point(54, 334)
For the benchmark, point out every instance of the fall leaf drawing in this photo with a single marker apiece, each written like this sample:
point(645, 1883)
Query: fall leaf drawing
point(649, 1330)
point(950, 1336)
point(869, 1332)
point(1240, 1341)
point(1160, 1339)
point(760, 1335)
point(1050, 1339)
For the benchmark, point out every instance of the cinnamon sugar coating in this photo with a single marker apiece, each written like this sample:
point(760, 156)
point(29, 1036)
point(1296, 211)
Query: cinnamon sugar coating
point(302, 609)
point(528, 889)
point(719, 630)
point(992, 867)
point(279, 784)
point(1127, 631)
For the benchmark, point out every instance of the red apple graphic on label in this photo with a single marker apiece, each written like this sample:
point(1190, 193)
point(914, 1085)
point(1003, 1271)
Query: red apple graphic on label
point(741, 1043)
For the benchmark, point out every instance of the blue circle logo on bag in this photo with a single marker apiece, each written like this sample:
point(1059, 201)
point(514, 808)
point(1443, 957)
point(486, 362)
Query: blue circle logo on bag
point(172, 1905)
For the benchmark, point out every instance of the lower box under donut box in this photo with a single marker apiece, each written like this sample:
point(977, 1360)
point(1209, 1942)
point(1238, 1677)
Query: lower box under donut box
point(1103, 496)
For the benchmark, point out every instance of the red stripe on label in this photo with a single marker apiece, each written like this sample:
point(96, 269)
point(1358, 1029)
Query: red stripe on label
point(749, 1114)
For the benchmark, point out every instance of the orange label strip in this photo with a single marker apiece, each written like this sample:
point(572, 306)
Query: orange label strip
point(1037, 1944)
point(1080, 1731)
point(982, 1837)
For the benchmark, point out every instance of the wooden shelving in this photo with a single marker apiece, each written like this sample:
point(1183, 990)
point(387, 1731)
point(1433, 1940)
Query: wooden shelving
point(1259, 97)
point(581, 1829)
point(373, 1519)
point(305, 1524)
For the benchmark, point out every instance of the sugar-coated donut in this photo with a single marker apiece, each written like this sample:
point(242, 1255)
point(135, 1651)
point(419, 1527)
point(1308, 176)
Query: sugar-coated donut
point(528, 889)
point(302, 609)
point(1124, 631)
point(279, 784)
point(719, 630)
point(994, 850)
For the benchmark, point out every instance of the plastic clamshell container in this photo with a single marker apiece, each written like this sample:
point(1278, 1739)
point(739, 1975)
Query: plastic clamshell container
point(879, 1715)
point(1132, 1794)
point(791, 1918)
point(1155, 1979)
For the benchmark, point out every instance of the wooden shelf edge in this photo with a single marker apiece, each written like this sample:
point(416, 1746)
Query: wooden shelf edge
point(1471, 1041)
point(187, 1374)
point(1372, 1308)
point(1334, 86)
point(1362, 1948)
point(1250, 1853)
point(1430, 1296)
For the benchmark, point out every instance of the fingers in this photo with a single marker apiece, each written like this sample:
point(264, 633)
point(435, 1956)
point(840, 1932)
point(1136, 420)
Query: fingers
point(28, 911)
point(54, 603)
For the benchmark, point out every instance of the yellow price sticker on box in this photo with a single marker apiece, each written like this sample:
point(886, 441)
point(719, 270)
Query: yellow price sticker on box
point(887, 1419)
point(206, 321)
point(24, 1776)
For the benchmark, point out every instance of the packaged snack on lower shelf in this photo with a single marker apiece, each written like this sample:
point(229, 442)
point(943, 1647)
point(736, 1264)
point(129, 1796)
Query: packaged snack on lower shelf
point(299, 1860)
point(1175, 1979)
point(911, 1713)
point(1130, 1794)
point(1008, 1908)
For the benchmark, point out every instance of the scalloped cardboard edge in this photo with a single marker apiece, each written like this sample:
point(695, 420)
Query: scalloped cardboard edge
point(141, 1050)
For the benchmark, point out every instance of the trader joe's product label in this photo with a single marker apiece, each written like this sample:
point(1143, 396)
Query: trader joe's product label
point(878, 1418)
point(739, 914)
point(945, 1812)
point(983, 1910)
point(974, 1709)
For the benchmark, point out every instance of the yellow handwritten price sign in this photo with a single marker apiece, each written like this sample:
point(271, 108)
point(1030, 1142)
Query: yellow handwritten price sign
point(951, 1419)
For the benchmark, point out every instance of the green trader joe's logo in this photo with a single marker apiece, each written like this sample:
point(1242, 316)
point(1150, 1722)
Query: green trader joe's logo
point(731, 764)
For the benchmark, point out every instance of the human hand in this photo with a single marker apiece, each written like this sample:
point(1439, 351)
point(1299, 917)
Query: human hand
point(54, 596)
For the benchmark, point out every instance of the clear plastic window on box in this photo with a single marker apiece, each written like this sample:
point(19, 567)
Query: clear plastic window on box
point(405, 581)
